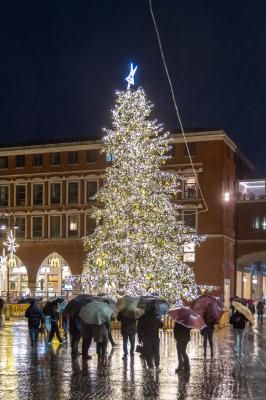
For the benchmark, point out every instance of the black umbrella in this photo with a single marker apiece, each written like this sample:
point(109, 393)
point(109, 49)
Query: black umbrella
point(148, 302)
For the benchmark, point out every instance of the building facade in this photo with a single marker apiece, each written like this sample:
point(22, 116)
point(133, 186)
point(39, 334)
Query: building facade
point(46, 199)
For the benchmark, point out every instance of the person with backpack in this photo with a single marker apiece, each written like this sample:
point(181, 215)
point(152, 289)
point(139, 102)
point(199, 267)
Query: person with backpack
point(35, 316)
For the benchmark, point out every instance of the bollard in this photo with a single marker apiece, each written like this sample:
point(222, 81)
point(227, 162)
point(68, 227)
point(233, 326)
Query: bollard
point(2, 319)
point(7, 312)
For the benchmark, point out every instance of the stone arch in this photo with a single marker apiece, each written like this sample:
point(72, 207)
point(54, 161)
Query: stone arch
point(251, 258)
point(17, 278)
point(50, 275)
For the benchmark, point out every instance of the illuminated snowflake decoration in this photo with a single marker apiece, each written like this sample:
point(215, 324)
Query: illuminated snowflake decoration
point(11, 244)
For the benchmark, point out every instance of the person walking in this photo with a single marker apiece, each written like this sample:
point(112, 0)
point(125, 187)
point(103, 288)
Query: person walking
point(207, 332)
point(260, 310)
point(238, 320)
point(54, 325)
point(128, 332)
point(148, 331)
point(87, 335)
point(35, 316)
point(47, 309)
point(74, 327)
point(101, 336)
point(182, 337)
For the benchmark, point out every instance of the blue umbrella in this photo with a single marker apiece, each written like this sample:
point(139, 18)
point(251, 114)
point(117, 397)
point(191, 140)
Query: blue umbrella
point(146, 302)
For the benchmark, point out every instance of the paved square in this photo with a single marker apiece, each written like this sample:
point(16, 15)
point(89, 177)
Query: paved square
point(49, 373)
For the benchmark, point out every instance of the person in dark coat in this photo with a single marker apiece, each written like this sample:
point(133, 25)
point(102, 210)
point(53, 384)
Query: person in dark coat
point(182, 337)
point(252, 308)
point(35, 316)
point(101, 337)
point(238, 320)
point(47, 309)
point(54, 325)
point(74, 327)
point(128, 332)
point(148, 331)
point(260, 310)
point(207, 332)
point(87, 335)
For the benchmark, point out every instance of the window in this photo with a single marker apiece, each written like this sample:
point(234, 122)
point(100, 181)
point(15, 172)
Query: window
point(190, 218)
point(55, 193)
point(109, 157)
point(55, 159)
point(90, 225)
point(192, 149)
point(91, 190)
point(73, 226)
point(190, 188)
point(263, 223)
point(4, 222)
point(189, 252)
point(21, 195)
point(72, 157)
point(4, 195)
point(37, 194)
point(73, 192)
point(37, 227)
point(55, 226)
point(37, 160)
point(3, 162)
point(91, 156)
point(20, 161)
point(20, 223)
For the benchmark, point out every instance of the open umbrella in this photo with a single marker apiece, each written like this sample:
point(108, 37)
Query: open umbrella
point(107, 300)
point(74, 306)
point(96, 313)
point(128, 307)
point(189, 318)
point(208, 307)
point(161, 305)
point(243, 310)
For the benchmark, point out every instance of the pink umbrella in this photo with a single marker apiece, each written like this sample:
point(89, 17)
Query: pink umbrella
point(208, 307)
point(189, 318)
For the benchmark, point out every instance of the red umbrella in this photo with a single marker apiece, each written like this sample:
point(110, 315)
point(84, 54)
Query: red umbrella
point(189, 318)
point(208, 307)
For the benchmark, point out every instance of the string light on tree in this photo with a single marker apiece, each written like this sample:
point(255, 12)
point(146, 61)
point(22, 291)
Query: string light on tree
point(138, 244)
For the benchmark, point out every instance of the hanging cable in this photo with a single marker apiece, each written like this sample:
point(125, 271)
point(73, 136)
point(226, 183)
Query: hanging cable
point(176, 108)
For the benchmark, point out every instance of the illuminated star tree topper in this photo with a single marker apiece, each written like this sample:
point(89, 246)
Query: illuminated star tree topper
point(130, 77)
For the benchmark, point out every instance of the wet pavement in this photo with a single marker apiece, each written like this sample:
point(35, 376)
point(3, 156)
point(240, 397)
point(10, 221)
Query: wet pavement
point(49, 373)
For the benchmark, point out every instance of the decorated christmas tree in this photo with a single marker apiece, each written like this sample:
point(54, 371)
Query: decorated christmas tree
point(137, 247)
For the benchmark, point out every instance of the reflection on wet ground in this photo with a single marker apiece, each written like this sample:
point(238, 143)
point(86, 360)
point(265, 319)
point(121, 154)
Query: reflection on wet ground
point(49, 373)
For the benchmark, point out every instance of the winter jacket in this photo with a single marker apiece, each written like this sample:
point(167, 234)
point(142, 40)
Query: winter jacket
point(149, 325)
point(181, 333)
point(128, 325)
point(47, 309)
point(101, 332)
point(86, 329)
point(260, 307)
point(34, 315)
point(54, 314)
point(238, 320)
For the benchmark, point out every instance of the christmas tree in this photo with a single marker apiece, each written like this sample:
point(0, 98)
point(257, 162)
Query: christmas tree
point(137, 247)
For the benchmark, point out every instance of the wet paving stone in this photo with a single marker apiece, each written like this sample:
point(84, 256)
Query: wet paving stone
point(45, 372)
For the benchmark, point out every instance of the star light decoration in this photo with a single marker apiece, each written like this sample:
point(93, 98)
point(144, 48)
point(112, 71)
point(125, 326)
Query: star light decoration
point(138, 244)
point(130, 77)
point(11, 246)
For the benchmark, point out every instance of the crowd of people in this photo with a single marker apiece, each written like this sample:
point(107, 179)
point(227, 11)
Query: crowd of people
point(45, 318)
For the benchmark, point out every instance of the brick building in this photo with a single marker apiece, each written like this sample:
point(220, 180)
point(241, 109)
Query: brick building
point(45, 191)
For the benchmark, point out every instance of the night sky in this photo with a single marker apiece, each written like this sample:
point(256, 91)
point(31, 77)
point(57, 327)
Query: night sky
point(61, 62)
